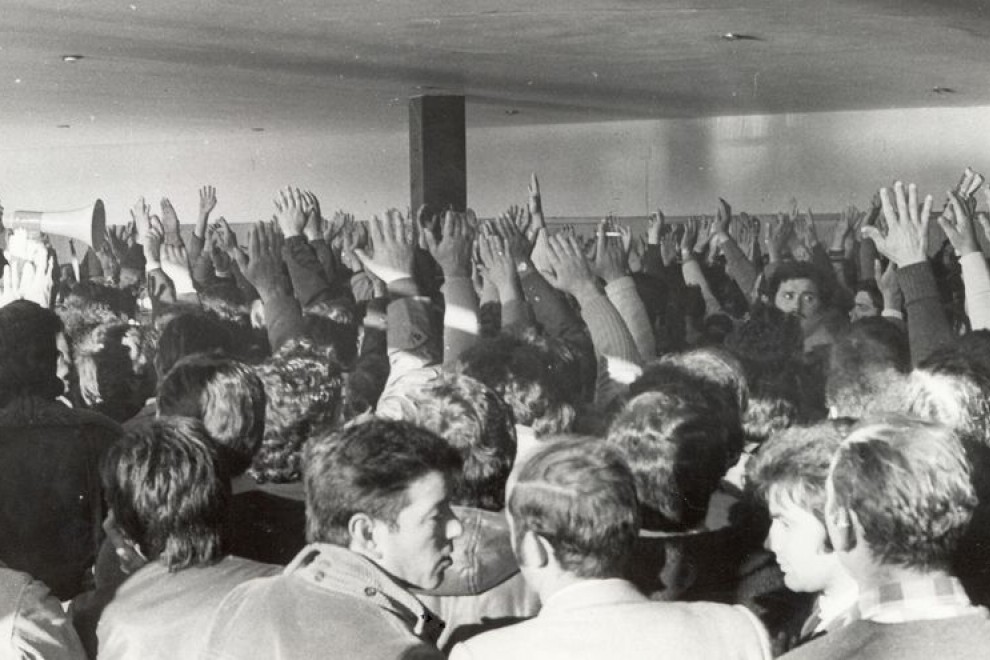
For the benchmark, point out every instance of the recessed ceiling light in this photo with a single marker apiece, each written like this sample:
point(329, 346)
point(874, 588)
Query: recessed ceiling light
point(258, 129)
point(737, 36)
point(511, 112)
point(64, 126)
point(72, 58)
point(939, 91)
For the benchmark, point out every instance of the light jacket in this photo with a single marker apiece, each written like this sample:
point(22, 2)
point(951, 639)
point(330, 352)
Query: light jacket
point(328, 603)
point(32, 623)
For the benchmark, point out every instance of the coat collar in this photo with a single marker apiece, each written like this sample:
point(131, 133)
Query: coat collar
point(592, 593)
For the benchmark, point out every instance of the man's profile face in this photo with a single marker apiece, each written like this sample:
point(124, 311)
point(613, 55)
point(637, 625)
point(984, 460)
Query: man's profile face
point(417, 549)
point(798, 540)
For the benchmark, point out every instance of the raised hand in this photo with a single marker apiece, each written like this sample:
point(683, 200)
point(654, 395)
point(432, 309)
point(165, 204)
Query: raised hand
point(141, 217)
point(611, 258)
point(224, 237)
point(207, 201)
point(497, 263)
point(170, 223)
point(290, 212)
point(262, 264)
point(779, 233)
point(394, 243)
point(314, 228)
point(516, 243)
point(689, 238)
point(453, 250)
point(175, 263)
point(906, 241)
point(570, 270)
point(957, 223)
point(535, 206)
point(655, 226)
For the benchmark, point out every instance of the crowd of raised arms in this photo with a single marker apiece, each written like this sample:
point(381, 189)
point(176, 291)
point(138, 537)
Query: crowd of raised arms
point(428, 434)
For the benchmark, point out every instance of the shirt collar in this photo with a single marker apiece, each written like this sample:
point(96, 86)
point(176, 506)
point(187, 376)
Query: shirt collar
point(923, 598)
point(590, 593)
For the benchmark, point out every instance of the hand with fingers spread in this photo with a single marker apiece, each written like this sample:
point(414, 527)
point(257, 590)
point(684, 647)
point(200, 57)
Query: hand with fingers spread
point(498, 265)
point(207, 202)
point(393, 243)
point(906, 241)
point(779, 234)
point(313, 228)
point(706, 226)
point(570, 270)
point(262, 263)
point(957, 223)
point(518, 247)
point(170, 223)
point(655, 226)
point(225, 237)
point(453, 251)
point(611, 259)
point(290, 212)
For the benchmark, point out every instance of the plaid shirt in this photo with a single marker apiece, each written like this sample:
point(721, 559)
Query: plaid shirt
point(927, 598)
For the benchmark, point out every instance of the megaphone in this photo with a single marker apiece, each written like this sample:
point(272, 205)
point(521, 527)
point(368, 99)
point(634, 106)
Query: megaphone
point(87, 224)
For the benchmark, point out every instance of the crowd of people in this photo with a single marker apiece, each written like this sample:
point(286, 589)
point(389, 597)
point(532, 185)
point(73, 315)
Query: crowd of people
point(427, 434)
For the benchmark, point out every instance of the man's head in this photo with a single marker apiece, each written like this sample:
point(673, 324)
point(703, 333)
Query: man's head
point(574, 509)
point(868, 359)
point(798, 288)
point(226, 396)
point(114, 369)
point(539, 385)
point(382, 489)
point(304, 384)
point(678, 453)
point(952, 387)
point(188, 333)
point(867, 303)
point(167, 493)
point(474, 420)
point(900, 495)
point(28, 353)
point(789, 473)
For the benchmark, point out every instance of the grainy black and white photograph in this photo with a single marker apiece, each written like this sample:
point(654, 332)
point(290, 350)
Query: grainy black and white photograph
point(556, 330)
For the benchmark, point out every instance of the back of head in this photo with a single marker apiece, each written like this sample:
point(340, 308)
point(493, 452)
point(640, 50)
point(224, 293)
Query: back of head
point(580, 497)
point(367, 468)
point(28, 354)
point(475, 421)
point(909, 483)
point(165, 487)
point(952, 387)
point(226, 396)
point(304, 383)
point(536, 384)
point(113, 364)
point(677, 452)
point(865, 360)
point(188, 333)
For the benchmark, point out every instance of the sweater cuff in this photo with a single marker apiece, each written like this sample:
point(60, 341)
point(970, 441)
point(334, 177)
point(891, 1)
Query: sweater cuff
point(916, 281)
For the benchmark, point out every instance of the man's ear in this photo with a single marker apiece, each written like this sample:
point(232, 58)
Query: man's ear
point(533, 551)
point(844, 530)
point(362, 532)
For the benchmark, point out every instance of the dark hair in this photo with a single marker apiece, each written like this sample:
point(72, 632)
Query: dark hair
point(678, 453)
point(113, 363)
point(164, 484)
point(870, 288)
point(799, 270)
point(119, 301)
point(580, 497)
point(793, 465)
point(28, 354)
point(475, 421)
point(328, 331)
point(865, 360)
point(367, 468)
point(304, 384)
point(188, 333)
point(226, 396)
point(909, 482)
point(539, 386)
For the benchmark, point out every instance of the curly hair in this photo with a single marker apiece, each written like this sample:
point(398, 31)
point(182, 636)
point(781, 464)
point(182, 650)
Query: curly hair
point(304, 384)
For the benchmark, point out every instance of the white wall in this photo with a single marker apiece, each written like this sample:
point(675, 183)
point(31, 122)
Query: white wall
point(826, 160)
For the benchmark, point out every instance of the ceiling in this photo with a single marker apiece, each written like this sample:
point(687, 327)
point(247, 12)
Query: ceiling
point(191, 66)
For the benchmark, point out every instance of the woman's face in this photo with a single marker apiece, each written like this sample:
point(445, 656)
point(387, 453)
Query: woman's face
point(801, 298)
